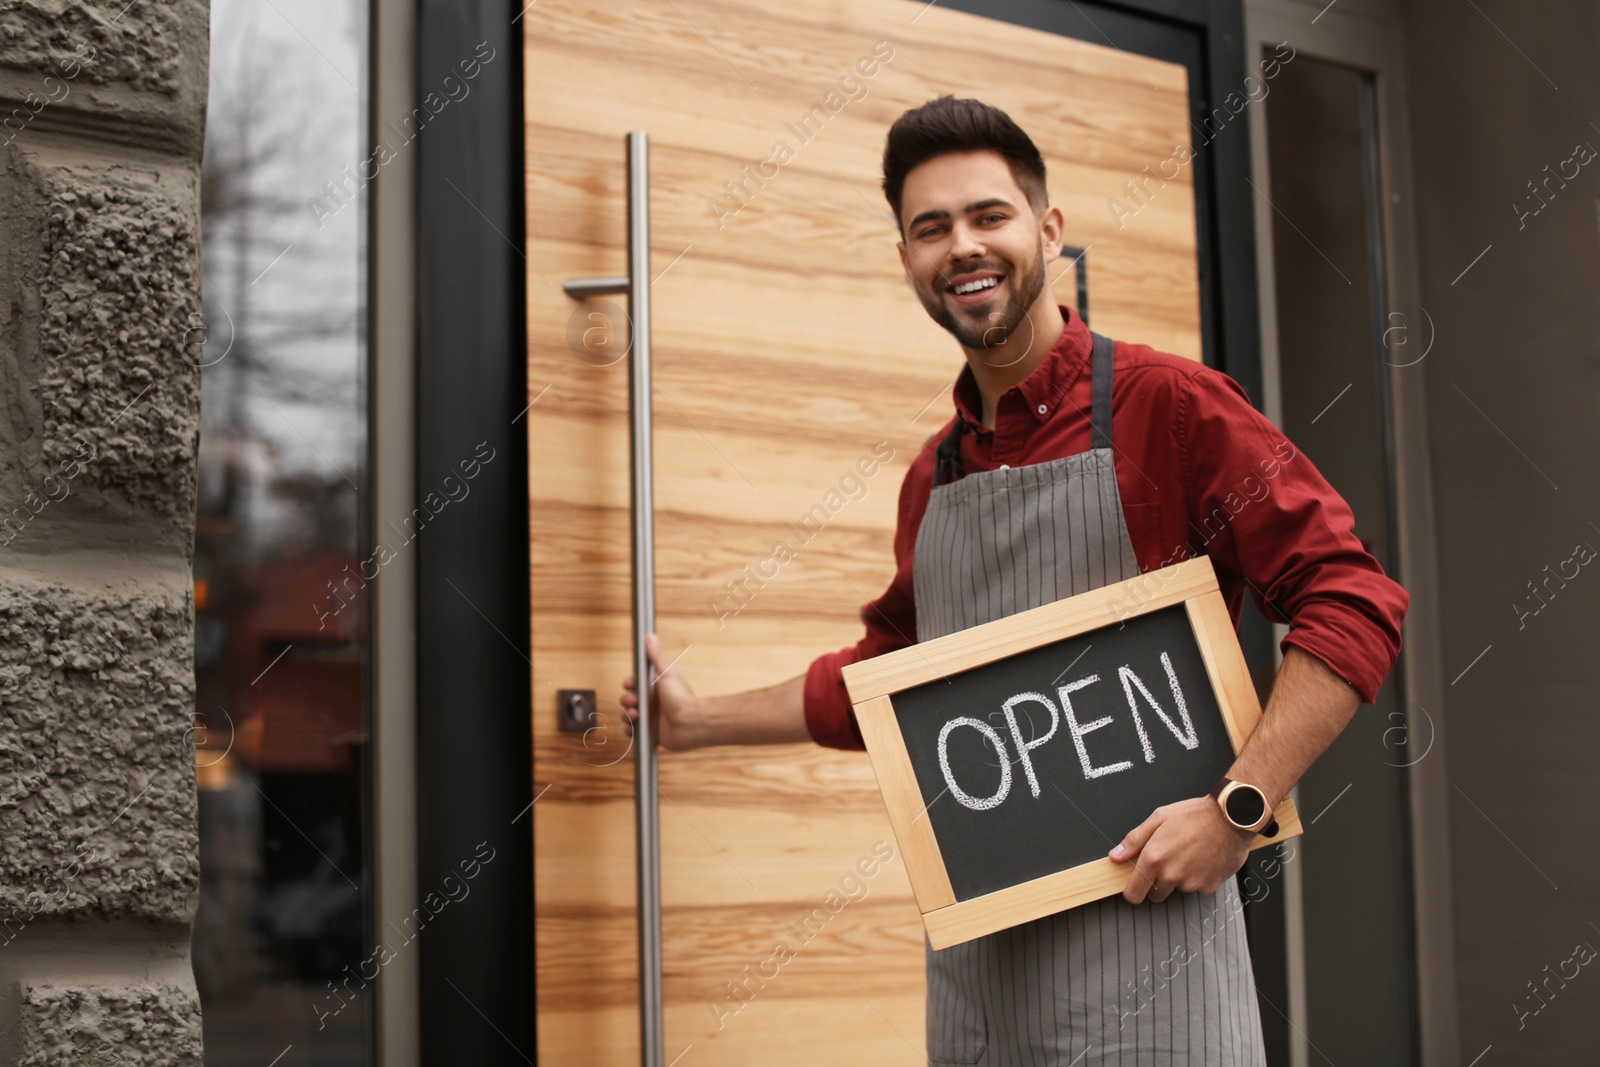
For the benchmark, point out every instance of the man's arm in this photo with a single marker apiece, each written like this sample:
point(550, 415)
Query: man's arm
point(779, 714)
point(1308, 708)
point(771, 716)
point(1188, 846)
point(1267, 515)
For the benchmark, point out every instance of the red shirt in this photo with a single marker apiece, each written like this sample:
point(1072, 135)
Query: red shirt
point(1200, 471)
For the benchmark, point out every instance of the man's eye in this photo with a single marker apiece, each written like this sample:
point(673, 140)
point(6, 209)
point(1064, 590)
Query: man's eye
point(986, 218)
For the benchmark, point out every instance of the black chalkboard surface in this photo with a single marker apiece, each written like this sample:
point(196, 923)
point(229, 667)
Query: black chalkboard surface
point(1137, 727)
point(1013, 755)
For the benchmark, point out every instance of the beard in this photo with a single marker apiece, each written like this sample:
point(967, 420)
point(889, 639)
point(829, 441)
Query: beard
point(976, 329)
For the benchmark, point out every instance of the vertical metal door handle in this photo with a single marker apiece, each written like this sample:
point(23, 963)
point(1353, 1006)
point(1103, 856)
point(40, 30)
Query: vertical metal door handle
point(637, 286)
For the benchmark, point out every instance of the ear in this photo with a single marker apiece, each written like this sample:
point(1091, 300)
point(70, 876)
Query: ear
point(1052, 232)
point(905, 263)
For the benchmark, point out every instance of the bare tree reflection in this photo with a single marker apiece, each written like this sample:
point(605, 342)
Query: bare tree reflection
point(285, 893)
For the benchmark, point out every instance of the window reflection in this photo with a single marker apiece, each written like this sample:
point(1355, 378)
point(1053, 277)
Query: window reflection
point(281, 718)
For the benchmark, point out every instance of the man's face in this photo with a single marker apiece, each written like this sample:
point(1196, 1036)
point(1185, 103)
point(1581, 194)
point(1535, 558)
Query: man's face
point(968, 223)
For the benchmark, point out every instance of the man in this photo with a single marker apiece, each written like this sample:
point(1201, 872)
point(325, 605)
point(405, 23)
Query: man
point(1047, 482)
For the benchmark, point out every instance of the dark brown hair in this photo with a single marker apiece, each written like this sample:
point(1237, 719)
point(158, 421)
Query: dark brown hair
point(946, 125)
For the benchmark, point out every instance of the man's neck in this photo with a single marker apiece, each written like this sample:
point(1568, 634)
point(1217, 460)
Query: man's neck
point(997, 369)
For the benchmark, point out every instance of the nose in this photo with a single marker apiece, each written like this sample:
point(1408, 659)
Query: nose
point(965, 243)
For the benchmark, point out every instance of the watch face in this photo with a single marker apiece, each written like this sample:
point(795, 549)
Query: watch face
point(1246, 805)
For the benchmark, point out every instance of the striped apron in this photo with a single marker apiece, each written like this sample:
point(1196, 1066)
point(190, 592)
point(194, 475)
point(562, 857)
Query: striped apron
point(1109, 982)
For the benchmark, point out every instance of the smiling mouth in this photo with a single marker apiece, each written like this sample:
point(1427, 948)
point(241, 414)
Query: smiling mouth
point(979, 291)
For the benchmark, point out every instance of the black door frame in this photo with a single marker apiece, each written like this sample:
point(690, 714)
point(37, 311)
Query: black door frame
point(474, 738)
point(474, 742)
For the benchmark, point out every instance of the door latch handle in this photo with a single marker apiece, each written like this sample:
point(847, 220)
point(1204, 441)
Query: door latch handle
point(575, 710)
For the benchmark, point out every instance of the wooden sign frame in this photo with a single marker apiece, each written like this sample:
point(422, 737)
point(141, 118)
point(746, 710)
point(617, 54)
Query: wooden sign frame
point(873, 684)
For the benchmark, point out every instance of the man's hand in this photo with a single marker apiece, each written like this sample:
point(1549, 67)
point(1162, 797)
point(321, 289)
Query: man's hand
point(678, 710)
point(1189, 846)
point(1186, 847)
point(772, 716)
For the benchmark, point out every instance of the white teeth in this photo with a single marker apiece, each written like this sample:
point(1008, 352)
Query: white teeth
point(973, 287)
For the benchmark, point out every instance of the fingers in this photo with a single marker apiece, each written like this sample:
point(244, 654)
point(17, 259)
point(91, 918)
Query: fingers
point(1153, 882)
point(1144, 883)
point(658, 658)
point(1141, 884)
point(1131, 845)
point(1178, 850)
point(669, 694)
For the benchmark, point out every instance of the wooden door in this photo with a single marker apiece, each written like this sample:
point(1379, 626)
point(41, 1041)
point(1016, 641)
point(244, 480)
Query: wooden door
point(790, 356)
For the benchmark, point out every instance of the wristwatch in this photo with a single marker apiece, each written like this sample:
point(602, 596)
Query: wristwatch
point(1244, 806)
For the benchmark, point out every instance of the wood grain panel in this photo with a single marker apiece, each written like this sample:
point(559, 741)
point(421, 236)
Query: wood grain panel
point(786, 346)
point(731, 944)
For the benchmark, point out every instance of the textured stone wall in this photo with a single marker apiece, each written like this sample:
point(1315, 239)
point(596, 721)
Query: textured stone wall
point(102, 110)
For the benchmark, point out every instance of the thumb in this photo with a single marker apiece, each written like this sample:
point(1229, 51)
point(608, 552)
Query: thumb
point(1137, 838)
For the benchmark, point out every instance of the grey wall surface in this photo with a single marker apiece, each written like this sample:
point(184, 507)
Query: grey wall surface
point(1513, 386)
point(102, 109)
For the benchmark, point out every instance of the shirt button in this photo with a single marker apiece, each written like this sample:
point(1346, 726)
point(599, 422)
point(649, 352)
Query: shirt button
point(1042, 409)
point(1005, 466)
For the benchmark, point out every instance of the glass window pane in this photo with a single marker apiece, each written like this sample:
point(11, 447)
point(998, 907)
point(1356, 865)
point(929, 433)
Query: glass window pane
point(282, 940)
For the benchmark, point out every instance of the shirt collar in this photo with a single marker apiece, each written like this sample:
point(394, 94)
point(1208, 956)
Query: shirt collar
point(1044, 386)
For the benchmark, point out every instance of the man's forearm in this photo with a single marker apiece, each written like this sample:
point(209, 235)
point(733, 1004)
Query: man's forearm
point(1309, 706)
point(772, 716)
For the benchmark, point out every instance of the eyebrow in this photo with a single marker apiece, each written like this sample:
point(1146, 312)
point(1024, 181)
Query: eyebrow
point(979, 205)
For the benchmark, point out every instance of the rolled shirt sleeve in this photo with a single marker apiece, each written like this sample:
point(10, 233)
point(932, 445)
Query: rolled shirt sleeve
point(1265, 513)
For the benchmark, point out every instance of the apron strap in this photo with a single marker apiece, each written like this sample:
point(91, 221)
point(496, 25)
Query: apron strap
point(1100, 385)
point(947, 458)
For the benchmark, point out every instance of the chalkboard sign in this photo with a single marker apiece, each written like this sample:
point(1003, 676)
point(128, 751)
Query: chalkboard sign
point(1012, 756)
